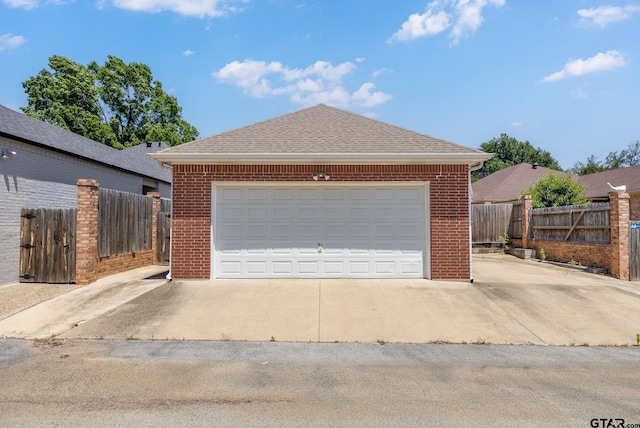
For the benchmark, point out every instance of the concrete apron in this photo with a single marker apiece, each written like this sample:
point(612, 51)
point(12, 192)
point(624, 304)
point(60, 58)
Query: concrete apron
point(511, 301)
point(65, 312)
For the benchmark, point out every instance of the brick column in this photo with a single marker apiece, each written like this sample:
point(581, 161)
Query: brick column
point(527, 206)
point(87, 232)
point(154, 224)
point(619, 253)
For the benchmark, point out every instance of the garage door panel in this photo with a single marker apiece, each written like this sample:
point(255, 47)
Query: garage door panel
point(281, 230)
point(351, 231)
point(308, 267)
point(333, 268)
point(308, 213)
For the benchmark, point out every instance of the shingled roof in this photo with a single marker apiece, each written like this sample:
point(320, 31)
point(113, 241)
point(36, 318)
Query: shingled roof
point(596, 187)
point(507, 184)
point(320, 133)
point(28, 130)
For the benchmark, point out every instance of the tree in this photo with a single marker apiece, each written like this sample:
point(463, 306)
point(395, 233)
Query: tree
point(117, 104)
point(555, 191)
point(622, 159)
point(592, 165)
point(508, 152)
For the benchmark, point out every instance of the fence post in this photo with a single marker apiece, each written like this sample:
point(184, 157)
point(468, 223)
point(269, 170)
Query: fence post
point(527, 206)
point(619, 205)
point(154, 223)
point(87, 232)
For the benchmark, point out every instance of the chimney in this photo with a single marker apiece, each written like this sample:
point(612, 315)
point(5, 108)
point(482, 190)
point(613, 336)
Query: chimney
point(148, 143)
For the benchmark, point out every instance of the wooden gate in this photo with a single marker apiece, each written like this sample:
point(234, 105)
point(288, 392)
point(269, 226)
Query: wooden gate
point(48, 245)
point(634, 251)
point(163, 242)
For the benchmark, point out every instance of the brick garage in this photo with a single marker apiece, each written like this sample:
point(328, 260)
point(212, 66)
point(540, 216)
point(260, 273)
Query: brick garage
point(332, 153)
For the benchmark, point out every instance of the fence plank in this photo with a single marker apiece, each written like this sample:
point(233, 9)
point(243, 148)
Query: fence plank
point(490, 222)
point(125, 224)
point(47, 245)
point(591, 224)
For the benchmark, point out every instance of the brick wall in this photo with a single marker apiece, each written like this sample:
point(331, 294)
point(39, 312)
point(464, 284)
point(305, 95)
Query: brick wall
point(613, 256)
point(90, 267)
point(191, 222)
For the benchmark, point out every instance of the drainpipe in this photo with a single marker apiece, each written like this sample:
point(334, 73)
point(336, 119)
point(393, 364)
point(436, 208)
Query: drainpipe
point(472, 168)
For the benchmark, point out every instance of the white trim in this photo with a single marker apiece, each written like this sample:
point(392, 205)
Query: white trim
point(424, 184)
point(469, 159)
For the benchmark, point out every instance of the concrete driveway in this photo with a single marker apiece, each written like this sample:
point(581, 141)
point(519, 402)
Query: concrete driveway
point(511, 301)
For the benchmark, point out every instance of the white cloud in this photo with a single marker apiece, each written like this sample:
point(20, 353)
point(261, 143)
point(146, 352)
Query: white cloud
point(440, 15)
point(320, 82)
point(32, 4)
point(382, 71)
point(605, 15)
point(9, 41)
point(188, 52)
point(600, 62)
point(516, 124)
point(197, 8)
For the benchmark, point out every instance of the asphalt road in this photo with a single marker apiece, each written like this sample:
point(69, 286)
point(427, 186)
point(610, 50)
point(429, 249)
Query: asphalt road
point(77, 383)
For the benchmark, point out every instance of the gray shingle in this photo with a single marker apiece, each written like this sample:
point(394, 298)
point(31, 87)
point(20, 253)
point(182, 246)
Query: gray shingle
point(320, 130)
point(27, 129)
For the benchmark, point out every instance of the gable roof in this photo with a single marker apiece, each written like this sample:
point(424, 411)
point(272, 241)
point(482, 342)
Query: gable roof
point(32, 131)
point(507, 184)
point(321, 134)
point(595, 185)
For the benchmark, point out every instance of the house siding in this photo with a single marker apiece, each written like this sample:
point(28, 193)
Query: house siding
point(449, 209)
point(41, 178)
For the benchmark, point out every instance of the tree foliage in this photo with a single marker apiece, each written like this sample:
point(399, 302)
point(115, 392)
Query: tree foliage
point(622, 159)
point(117, 104)
point(555, 190)
point(508, 152)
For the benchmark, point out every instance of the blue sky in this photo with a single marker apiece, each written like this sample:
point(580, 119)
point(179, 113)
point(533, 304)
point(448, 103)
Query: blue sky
point(564, 75)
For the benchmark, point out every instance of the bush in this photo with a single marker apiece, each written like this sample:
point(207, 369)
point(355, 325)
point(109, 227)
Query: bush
point(556, 191)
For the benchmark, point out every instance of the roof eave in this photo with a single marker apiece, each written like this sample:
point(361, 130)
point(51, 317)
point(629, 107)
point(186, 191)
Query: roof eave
point(469, 159)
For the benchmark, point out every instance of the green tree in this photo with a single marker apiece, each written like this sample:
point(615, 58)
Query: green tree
point(508, 152)
point(592, 165)
point(555, 190)
point(117, 104)
point(626, 157)
point(622, 159)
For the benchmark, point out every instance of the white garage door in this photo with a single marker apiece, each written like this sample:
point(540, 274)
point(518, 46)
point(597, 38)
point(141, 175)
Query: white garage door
point(319, 231)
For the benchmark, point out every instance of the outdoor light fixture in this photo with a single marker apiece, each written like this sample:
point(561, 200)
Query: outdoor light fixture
point(321, 175)
point(6, 154)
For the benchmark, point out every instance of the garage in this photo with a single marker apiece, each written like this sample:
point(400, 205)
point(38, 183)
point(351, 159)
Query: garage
point(320, 230)
point(321, 193)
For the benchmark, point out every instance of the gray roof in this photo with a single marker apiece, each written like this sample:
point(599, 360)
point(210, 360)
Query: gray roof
point(24, 128)
point(320, 130)
point(507, 184)
point(596, 187)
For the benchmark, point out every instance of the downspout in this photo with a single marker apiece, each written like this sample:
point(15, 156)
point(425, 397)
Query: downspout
point(472, 168)
point(169, 167)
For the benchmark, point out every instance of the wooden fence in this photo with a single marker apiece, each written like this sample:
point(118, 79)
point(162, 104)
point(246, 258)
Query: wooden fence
point(490, 223)
point(515, 227)
point(47, 245)
point(163, 242)
point(124, 223)
point(578, 223)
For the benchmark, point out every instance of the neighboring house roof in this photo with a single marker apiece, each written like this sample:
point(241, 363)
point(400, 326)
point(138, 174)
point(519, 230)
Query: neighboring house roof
point(321, 134)
point(596, 187)
point(29, 130)
point(507, 184)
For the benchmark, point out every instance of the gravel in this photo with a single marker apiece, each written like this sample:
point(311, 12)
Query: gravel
point(15, 298)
